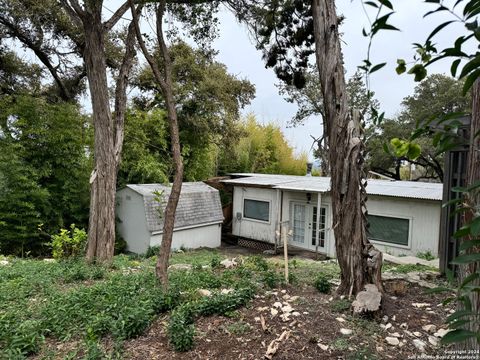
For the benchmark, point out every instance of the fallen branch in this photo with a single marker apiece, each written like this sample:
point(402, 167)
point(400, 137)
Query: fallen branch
point(273, 347)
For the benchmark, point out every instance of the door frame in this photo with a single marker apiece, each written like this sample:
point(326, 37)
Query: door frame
point(307, 244)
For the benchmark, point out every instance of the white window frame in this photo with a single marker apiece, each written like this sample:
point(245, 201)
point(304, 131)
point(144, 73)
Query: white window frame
point(389, 244)
point(257, 220)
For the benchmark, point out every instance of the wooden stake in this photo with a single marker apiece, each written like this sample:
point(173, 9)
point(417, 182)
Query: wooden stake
point(285, 251)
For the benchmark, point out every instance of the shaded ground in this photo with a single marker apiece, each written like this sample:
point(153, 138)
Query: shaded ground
point(242, 336)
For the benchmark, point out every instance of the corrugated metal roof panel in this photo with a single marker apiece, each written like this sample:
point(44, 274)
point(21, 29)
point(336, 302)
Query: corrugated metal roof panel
point(198, 204)
point(403, 189)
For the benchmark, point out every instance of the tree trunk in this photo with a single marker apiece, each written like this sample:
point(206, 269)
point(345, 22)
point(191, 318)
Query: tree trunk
point(164, 80)
point(473, 200)
point(359, 261)
point(101, 230)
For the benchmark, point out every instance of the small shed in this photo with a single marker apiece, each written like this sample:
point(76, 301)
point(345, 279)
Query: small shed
point(198, 220)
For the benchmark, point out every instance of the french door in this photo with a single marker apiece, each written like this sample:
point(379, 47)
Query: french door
point(304, 226)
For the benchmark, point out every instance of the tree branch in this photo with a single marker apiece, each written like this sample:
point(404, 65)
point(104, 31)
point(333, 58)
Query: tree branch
point(110, 23)
point(121, 87)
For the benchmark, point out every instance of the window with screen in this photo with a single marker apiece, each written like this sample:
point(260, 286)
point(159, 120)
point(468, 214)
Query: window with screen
point(256, 209)
point(388, 229)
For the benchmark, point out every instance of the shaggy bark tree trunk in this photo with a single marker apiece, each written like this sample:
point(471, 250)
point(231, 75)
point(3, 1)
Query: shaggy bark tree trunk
point(359, 261)
point(473, 201)
point(108, 130)
point(164, 80)
point(101, 229)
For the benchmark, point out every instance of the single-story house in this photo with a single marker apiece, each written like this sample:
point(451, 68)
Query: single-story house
point(404, 216)
point(198, 220)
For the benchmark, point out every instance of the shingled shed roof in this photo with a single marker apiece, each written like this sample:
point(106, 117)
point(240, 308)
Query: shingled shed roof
point(199, 204)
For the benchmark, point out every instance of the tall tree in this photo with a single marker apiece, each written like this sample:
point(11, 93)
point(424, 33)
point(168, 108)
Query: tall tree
point(163, 77)
point(289, 32)
point(38, 26)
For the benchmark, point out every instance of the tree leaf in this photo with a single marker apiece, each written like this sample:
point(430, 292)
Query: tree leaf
point(466, 259)
point(377, 67)
point(453, 69)
point(467, 244)
point(470, 80)
point(439, 28)
point(475, 226)
point(457, 335)
point(386, 3)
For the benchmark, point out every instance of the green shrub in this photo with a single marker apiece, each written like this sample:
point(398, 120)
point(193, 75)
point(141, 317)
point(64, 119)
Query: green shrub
point(427, 255)
point(257, 262)
point(152, 251)
point(68, 243)
point(271, 279)
point(322, 283)
point(340, 305)
point(215, 262)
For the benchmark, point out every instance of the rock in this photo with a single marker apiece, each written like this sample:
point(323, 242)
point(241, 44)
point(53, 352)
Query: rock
point(379, 349)
point(180, 267)
point(286, 297)
point(393, 341)
point(386, 327)
point(339, 319)
point(4, 262)
point(204, 292)
point(385, 318)
point(49, 260)
point(273, 311)
point(429, 328)
point(403, 326)
point(433, 340)
point(285, 317)
point(305, 313)
point(295, 313)
point(227, 263)
point(226, 291)
point(264, 308)
point(287, 309)
point(283, 291)
point(441, 333)
point(269, 252)
point(419, 344)
point(395, 334)
point(323, 347)
point(294, 298)
point(417, 333)
point(420, 305)
point(368, 300)
point(346, 331)
point(278, 304)
point(257, 318)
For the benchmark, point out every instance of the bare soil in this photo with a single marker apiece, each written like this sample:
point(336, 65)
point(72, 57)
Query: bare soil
point(242, 336)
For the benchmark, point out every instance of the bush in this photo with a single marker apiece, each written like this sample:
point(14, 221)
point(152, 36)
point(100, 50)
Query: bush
point(322, 283)
point(69, 244)
point(271, 279)
point(427, 255)
point(152, 251)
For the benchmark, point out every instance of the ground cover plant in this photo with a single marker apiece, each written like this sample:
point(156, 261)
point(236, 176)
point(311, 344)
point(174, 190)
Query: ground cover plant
point(69, 309)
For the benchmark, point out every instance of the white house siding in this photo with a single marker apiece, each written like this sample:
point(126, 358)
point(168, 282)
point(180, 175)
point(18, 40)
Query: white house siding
point(250, 228)
point(424, 218)
point(202, 236)
point(132, 224)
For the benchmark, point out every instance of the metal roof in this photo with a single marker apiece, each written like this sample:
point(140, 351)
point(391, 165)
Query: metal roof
point(401, 189)
point(199, 204)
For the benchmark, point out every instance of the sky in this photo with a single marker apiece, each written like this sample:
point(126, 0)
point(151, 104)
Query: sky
point(238, 53)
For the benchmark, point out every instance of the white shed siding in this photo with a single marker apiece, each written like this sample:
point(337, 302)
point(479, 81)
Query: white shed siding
point(203, 236)
point(132, 224)
point(250, 228)
point(424, 218)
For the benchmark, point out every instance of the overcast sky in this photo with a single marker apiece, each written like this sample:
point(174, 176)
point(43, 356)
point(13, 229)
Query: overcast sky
point(238, 53)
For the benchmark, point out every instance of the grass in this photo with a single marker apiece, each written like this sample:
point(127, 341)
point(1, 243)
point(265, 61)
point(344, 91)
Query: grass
point(403, 269)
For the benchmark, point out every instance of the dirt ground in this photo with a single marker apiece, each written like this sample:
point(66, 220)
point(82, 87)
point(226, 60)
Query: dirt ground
point(314, 333)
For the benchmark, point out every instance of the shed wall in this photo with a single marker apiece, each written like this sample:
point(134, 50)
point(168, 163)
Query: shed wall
point(203, 236)
point(424, 218)
point(132, 224)
point(250, 228)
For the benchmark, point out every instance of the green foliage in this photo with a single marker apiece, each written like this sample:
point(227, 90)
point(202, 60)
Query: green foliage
point(262, 149)
point(340, 305)
point(239, 328)
point(69, 243)
point(426, 255)
point(152, 251)
point(271, 278)
point(44, 170)
point(322, 283)
point(180, 328)
point(406, 268)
